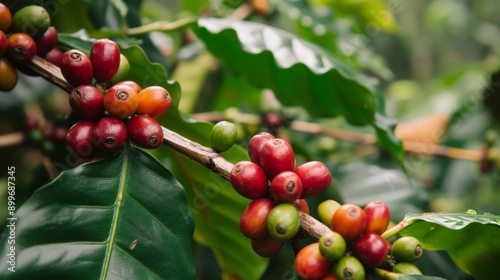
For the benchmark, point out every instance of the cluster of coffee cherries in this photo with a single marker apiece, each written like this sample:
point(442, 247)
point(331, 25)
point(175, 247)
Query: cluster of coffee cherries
point(112, 110)
point(278, 190)
point(22, 36)
point(355, 245)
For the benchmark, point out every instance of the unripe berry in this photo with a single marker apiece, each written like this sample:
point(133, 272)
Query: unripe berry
point(283, 221)
point(47, 41)
point(145, 131)
point(406, 268)
point(370, 249)
point(276, 156)
point(110, 134)
point(154, 101)
point(223, 136)
point(5, 18)
point(286, 187)
point(253, 221)
point(105, 57)
point(22, 48)
point(326, 209)
point(32, 20)
point(377, 217)
point(407, 249)
point(87, 102)
point(123, 69)
point(8, 73)
point(80, 138)
point(266, 246)
point(310, 264)
point(350, 268)
point(249, 180)
point(332, 246)
point(255, 145)
point(350, 221)
point(120, 101)
point(315, 177)
point(76, 68)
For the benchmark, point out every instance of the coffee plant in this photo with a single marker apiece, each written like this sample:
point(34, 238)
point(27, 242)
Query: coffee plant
point(280, 158)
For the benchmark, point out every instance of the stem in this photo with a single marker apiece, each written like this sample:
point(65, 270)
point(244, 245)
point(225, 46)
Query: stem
point(384, 274)
point(396, 229)
point(161, 26)
point(11, 139)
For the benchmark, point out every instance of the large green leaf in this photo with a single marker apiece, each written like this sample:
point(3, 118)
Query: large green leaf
point(300, 73)
point(118, 218)
point(470, 239)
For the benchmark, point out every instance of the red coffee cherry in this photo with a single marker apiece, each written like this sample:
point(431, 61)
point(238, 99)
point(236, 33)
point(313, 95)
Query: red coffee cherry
point(105, 57)
point(370, 249)
point(79, 139)
point(273, 121)
point(350, 221)
point(22, 48)
point(76, 68)
point(110, 134)
point(310, 264)
point(377, 217)
point(315, 177)
point(266, 246)
point(4, 43)
point(153, 101)
point(87, 102)
point(249, 180)
point(8, 73)
point(120, 101)
point(5, 18)
point(131, 84)
point(276, 156)
point(145, 131)
point(255, 145)
point(253, 221)
point(54, 56)
point(286, 187)
point(301, 204)
point(47, 42)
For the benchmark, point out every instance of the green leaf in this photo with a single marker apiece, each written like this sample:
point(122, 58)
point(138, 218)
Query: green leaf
point(115, 218)
point(471, 240)
point(300, 73)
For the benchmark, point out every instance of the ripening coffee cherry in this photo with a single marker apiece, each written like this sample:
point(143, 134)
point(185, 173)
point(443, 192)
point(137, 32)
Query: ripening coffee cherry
point(76, 68)
point(131, 84)
point(377, 217)
point(370, 249)
point(123, 69)
point(8, 73)
point(255, 145)
point(153, 101)
point(4, 43)
point(276, 156)
point(22, 48)
point(315, 177)
point(223, 136)
point(266, 246)
point(79, 139)
point(350, 268)
point(120, 101)
point(253, 221)
point(47, 41)
point(407, 249)
point(145, 131)
point(110, 134)
point(249, 180)
point(54, 56)
point(406, 268)
point(283, 221)
point(5, 18)
point(105, 57)
point(32, 20)
point(286, 187)
point(310, 264)
point(332, 246)
point(273, 121)
point(350, 221)
point(87, 102)
point(326, 209)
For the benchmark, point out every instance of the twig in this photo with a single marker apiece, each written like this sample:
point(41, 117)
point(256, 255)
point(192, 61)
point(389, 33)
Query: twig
point(11, 139)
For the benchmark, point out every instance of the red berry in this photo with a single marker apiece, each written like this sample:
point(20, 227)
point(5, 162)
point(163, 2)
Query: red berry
point(286, 187)
point(310, 264)
point(31, 123)
point(110, 134)
point(105, 57)
point(145, 131)
point(255, 145)
point(4, 43)
point(370, 249)
point(22, 48)
point(350, 221)
point(377, 217)
point(301, 205)
point(87, 101)
point(47, 42)
point(276, 156)
point(79, 139)
point(315, 177)
point(267, 246)
point(59, 134)
point(5, 18)
point(54, 56)
point(273, 121)
point(253, 221)
point(120, 101)
point(131, 84)
point(153, 101)
point(76, 68)
point(249, 180)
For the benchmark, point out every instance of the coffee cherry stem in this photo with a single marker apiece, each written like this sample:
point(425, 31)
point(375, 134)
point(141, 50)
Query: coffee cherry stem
point(385, 274)
point(396, 229)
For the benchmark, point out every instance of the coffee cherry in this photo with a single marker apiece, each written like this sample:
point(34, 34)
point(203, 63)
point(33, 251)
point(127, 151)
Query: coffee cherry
point(110, 134)
point(276, 156)
point(349, 268)
point(283, 221)
point(153, 101)
point(407, 249)
point(332, 246)
point(377, 217)
point(326, 209)
point(253, 221)
point(87, 102)
point(76, 68)
point(255, 145)
point(47, 41)
point(223, 136)
point(330, 276)
point(350, 221)
point(105, 57)
point(54, 56)
point(249, 180)
point(120, 101)
point(123, 69)
point(59, 134)
point(370, 249)
point(4, 43)
point(315, 177)
point(31, 123)
point(131, 84)
point(301, 204)
point(32, 20)
point(5, 18)
point(145, 131)
point(406, 268)
point(286, 187)
point(266, 246)
point(22, 48)
point(310, 264)
point(273, 121)
point(8, 73)
point(79, 139)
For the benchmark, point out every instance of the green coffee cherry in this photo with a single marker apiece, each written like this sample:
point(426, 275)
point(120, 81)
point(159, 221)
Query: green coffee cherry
point(406, 249)
point(223, 136)
point(406, 268)
point(33, 20)
point(123, 69)
point(349, 268)
point(283, 221)
point(332, 246)
point(326, 209)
